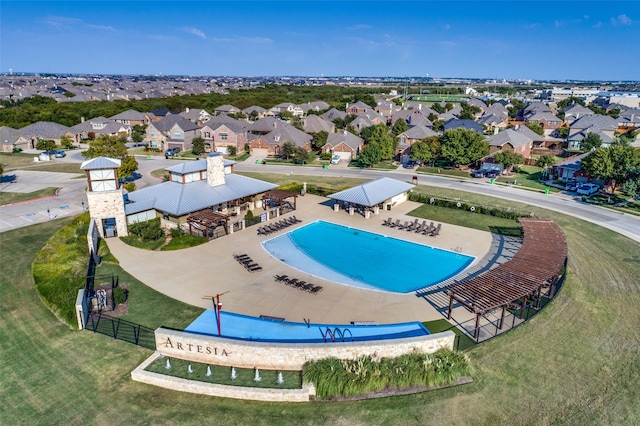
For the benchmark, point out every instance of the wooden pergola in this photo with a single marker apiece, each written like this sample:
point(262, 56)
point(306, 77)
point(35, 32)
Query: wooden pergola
point(279, 195)
point(538, 264)
point(207, 219)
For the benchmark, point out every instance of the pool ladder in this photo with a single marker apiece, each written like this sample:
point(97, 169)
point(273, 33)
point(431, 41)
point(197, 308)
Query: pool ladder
point(336, 332)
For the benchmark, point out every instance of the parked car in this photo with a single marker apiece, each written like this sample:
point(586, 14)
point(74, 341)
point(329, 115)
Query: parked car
point(60, 154)
point(572, 185)
point(588, 189)
point(492, 174)
point(335, 159)
point(171, 152)
point(409, 164)
point(479, 173)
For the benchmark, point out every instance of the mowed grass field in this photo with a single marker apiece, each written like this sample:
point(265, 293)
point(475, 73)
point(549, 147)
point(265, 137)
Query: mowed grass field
point(577, 362)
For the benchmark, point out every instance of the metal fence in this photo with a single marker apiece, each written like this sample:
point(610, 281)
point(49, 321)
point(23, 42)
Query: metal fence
point(121, 330)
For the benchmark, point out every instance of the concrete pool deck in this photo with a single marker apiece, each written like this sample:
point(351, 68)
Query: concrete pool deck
point(188, 275)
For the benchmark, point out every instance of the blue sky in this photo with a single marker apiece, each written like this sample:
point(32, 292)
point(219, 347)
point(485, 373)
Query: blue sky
point(503, 39)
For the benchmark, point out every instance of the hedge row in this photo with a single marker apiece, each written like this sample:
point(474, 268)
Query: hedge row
point(311, 189)
point(464, 205)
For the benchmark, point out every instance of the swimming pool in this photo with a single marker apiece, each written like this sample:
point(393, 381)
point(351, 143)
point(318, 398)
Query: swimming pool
point(365, 259)
point(242, 327)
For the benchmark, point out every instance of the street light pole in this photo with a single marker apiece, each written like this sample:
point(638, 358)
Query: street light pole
point(217, 308)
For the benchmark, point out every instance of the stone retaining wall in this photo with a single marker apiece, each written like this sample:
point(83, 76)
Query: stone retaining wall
point(286, 356)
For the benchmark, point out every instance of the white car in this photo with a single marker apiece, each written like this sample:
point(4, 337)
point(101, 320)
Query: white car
point(335, 159)
point(588, 189)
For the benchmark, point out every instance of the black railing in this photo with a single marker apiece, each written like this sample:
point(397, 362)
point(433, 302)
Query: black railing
point(120, 329)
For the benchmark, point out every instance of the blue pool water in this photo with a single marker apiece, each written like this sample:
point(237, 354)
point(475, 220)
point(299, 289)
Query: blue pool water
point(365, 259)
point(242, 327)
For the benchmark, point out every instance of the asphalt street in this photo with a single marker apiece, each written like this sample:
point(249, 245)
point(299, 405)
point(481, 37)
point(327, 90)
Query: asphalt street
point(71, 196)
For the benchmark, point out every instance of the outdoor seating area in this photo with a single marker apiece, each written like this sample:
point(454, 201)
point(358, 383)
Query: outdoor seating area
point(247, 262)
point(300, 285)
point(278, 226)
point(419, 228)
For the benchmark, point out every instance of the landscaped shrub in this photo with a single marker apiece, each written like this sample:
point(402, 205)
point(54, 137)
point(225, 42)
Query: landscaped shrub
point(60, 267)
point(120, 295)
point(333, 377)
point(148, 230)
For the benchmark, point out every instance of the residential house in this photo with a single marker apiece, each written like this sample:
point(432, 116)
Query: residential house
point(602, 125)
point(333, 113)
point(259, 112)
point(629, 120)
point(159, 114)
point(357, 108)
point(294, 109)
point(132, 118)
point(386, 108)
point(478, 103)
point(344, 144)
point(366, 119)
point(541, 141)
point(547, 120)
point(412, 117)
point(174, 131)
point(99, 126)
point(456, 123)
point(270, 144)
point(511, 141)
point(222, 131)
point(45, 130)
point(575, 111)
point(314, 124)
point(570, 169)
point(412, 135)
point(314, 106)
point(227, 109)
point(11, 140)
point(196, 115)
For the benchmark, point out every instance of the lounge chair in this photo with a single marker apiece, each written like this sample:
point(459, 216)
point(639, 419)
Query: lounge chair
point(396, 224)
point(254, 268)
point(316, 289)
point(387, 222)
point(281, 278)
point(421, 227)
point(412, 226)
point(436, 231)
point(296, 219)
point(429, 229)
point(240, 257)
point(403, 227)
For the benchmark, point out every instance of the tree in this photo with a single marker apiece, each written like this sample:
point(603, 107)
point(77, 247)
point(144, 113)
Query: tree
point(197, 146)
point(437, 108)
point(508, 159)
point(563, 132)
point(536, 127)
point(300, 155)
point(319, 139)
point(379, 134)
point(112, 147)
point(463, 146)
point(469, 111)
point(437, 125)
point(138, 133)
point(399, 126)
point(570, 101)
point(592, 140)
point(254, 115)
point(66, 142)
point(288, 149)
point(1, 170)
point(516, 106)
point(285, 115)
point(426, 150)
point(370, 155)
point(598, 164)
point(232, 150)
point(546, 161)
point(46, 145)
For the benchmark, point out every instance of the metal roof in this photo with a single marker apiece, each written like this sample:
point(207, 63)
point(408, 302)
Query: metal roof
point(100, 163)
point(373, 192)
point(179, 199)
point(193, 166)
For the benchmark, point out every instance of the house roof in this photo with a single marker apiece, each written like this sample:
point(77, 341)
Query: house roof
point(45, 129)
point(333, 113)
point(100, 163)
point(349, 139)
point(130, 114)
point(285, 132)
point(315, 124)
point(573, 163)
point(455, 123)
point(373, 192)
point(227, 108)
point(255, 108)
point(169, 121)
point(511, 137)
point(9, 135)
point(180, 199)
point(595, 121)
point(419, 132)
point(193, 166)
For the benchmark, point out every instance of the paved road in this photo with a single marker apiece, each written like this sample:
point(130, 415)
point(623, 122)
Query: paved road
point(70, 198)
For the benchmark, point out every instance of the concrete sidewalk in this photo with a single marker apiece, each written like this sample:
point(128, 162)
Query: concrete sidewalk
point(188, 275)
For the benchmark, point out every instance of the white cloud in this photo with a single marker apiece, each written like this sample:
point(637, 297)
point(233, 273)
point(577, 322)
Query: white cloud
point(597, 25)
point(532, 26)
point(102, 28)
point(61, 22)
point(196, 32)
point(621, 20)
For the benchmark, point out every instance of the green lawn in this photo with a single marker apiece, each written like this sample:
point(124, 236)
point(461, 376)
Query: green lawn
point(16, 197)
point(577, 362)
point(527, 178)
point(445, 172)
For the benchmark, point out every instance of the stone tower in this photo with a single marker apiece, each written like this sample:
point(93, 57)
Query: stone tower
point(104, 196)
